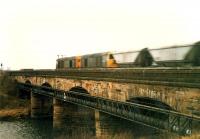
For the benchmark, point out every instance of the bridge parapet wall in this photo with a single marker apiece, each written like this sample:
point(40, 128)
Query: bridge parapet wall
point(175, 75)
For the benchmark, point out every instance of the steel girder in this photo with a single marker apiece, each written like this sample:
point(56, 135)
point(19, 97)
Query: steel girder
point(166, 120)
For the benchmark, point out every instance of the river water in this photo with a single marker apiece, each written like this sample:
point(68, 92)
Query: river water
point(79, 122)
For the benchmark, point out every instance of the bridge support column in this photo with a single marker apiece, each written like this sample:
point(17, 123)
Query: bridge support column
point(58, 113)
point(97, 123)
point(41, 106)
point(102, 130)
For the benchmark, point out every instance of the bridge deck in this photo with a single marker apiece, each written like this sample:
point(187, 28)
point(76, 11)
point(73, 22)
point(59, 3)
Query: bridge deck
point(180, 77)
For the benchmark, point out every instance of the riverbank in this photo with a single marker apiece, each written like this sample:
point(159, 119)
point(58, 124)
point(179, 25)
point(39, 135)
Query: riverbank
point(11, 106)
point(14, 113)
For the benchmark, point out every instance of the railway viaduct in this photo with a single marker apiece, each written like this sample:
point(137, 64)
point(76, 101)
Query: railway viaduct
point(178, 88)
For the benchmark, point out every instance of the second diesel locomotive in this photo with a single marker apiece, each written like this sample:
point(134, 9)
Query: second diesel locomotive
point(176, 56)
point(97, 60)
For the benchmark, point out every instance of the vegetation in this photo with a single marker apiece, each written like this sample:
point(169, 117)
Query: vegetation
point(10, 105)
point(7, 85)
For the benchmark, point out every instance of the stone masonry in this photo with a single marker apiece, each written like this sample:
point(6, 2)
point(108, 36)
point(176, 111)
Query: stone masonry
point(182, 99)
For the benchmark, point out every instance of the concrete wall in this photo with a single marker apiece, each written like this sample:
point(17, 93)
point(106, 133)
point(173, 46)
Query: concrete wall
point(185, 100)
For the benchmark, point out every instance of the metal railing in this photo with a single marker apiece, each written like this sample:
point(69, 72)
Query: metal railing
point(150, 116)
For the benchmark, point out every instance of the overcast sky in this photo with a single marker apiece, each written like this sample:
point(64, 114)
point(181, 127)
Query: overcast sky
point(33, 33)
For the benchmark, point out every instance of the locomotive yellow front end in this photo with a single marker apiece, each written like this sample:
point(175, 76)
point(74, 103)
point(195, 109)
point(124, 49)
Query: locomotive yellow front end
point(78, 61)
point(111, 62)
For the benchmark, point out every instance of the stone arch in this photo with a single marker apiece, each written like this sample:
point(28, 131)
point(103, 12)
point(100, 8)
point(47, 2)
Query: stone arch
point(150, 102)
point(81, 109)
point(153, 103)
point(79, 89)
point(46, 84)
point(25, 93)
point(42, 105)
point(27, 82)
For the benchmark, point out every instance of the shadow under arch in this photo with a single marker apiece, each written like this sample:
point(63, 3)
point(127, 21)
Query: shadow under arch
point(46, 84)
point(80, 109)
point(46, 102)
point(25, 93)
point(79, 89)
point(27, 82)
point(150, 102)
point(15, 81)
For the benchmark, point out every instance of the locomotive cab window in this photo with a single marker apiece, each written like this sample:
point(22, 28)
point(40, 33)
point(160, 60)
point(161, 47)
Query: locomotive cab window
point(111, 56)
point(85, 62)
point(70, 63)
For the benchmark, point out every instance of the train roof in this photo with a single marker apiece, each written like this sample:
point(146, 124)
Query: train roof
point(133, 51)
point(86, 55)
point(64, 58)
point(171, 47)
point(97, 54)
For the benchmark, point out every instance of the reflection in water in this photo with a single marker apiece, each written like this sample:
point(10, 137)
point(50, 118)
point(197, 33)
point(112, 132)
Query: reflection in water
point(79, 122)
point(25, 129)
point(75, 122)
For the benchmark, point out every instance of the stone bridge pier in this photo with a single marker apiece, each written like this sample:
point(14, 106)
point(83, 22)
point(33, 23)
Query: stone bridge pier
point(59, 112)
point(41, 106)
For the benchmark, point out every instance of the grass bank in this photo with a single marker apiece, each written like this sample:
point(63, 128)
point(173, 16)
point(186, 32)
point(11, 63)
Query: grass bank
point(11, 106)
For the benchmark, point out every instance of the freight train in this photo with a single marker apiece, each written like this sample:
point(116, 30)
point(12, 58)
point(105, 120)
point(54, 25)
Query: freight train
point(176, 56)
